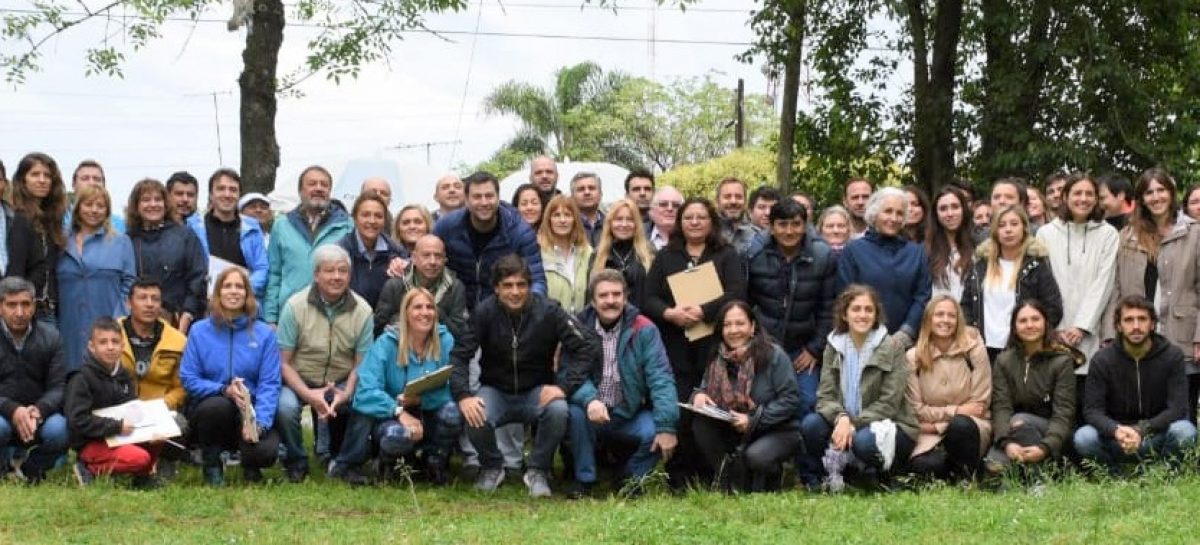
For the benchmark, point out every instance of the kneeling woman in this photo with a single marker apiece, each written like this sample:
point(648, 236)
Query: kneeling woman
point(229, 354)
point(1033, 392)
point(861, 408)
point(950, 389)
point(752, 378)
point(414, 347)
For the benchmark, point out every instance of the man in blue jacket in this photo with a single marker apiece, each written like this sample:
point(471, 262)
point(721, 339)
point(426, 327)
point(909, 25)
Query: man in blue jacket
point(225, 234)
point(312, 224)
point(630, 394)
point(483, 233)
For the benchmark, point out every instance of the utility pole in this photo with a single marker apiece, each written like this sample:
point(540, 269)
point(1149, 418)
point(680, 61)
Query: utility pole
point(739, 107)
point(428, 147)
point(216, 119)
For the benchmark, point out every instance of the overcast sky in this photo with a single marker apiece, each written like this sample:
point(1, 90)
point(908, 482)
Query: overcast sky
point(160, 117)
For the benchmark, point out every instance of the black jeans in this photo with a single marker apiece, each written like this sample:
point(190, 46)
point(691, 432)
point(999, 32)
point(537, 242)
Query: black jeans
point(956, 455)
point(762, 456)
point(218, 426)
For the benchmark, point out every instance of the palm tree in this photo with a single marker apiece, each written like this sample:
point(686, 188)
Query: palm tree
point(566, 121)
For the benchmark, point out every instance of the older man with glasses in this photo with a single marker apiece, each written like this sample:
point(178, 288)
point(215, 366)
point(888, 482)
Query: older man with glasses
point(663, 209)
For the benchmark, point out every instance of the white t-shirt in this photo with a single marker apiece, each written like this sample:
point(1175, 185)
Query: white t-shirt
point(998, 303)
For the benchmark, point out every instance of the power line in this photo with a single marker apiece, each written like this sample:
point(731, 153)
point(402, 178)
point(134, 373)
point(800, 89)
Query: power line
point(447, 32)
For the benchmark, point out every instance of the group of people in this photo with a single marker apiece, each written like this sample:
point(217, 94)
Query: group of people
point(889, 334)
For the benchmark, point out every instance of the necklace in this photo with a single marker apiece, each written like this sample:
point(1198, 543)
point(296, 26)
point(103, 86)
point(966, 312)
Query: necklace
point(621, 260)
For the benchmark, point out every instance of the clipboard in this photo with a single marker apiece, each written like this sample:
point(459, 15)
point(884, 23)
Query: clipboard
point(152, 421)
point(709, 411)
point(696, 286)
point(428, 382)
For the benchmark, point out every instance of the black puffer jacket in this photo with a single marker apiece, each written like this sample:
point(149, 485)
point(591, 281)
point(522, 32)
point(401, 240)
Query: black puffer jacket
point(521, 364)
point(1035, 280)
point(35, 374)
point(94, 387)
point(173, 256)
point(793, 301)
point(1043, 386)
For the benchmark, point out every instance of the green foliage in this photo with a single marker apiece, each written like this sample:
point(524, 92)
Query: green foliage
point(755, 166)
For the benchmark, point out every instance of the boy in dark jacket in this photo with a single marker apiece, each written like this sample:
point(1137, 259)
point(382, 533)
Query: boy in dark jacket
point(103, 382)
point(1135, 399)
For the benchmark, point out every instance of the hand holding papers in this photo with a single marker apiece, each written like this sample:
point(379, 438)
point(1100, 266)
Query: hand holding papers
point(696, 286)
point(152, 421)
point(711, 411)
point(423, 384)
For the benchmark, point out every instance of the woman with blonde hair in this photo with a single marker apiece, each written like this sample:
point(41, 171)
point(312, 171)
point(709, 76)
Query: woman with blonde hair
point(624, 247)
point(412, 222)
point(566, 254)
point(415, 347)
point(231, 364)
point(1010, 266)
point(950, 389)
point(95, 272)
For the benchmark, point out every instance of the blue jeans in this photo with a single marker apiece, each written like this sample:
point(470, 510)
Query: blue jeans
point(441, 429)
point(502, 408)
point(807, 468)
point(49, 443)
point(584, 434)
point(1180, 436)
point(817, 431)
point(287, 421)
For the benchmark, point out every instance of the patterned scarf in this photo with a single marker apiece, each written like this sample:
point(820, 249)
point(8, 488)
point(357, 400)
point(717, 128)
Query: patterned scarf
point(733, 396)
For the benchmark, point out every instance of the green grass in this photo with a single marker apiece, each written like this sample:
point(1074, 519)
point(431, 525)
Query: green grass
point(1158, 508)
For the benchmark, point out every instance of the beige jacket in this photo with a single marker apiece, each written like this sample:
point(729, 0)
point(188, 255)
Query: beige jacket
point(961, 375)
point(1178, 277)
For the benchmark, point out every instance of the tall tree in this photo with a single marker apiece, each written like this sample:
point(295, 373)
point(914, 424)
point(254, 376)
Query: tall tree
point(353, 33)
point(780, 28)
point(935, 58)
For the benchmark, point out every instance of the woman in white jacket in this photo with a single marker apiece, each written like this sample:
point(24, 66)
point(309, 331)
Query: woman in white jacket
point(1083, 253)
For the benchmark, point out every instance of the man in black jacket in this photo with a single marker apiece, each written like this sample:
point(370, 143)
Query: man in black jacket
point(790, 285)
point(31, 382)
point(1135, 401)
point(518, 333)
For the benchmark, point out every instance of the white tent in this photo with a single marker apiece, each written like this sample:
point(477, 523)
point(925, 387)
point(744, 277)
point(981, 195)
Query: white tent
point(411, 183)
point(612, 179)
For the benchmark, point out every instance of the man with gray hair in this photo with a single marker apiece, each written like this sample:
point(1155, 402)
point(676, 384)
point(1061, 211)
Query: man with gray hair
point(449, 195)
point(324, 332)
point(543, 174)
point(664, 209)
point(585, 191)
point(31, 386)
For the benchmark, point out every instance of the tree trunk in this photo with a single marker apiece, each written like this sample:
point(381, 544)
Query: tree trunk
point(933, 90)
point(260, 149)
point(797, 13)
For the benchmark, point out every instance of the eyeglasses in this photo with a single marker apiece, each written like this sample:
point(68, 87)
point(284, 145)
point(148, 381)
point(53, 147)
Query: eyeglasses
point(669, 204)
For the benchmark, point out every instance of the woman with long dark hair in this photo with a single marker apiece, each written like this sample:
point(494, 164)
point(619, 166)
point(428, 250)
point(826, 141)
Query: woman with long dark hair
point(40, 196)
point(949, 244)
point(1033, 392)
point(695, 241)
point(919, 217)
point(168, 252)
point(751, 378)
point(528, 202)
point(1159, 259)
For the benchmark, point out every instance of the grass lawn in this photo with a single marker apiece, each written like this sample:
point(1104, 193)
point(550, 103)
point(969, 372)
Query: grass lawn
point(1155, 509)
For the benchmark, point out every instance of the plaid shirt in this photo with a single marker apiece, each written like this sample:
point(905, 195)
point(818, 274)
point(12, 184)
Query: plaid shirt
point(610, 377)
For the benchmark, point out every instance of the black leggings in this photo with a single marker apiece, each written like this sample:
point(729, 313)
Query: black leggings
point(956, 455)
point(762, 456)
point(218, 426)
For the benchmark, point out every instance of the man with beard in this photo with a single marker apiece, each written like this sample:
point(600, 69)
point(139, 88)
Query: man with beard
point(314, 223)
point(1135, 400)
